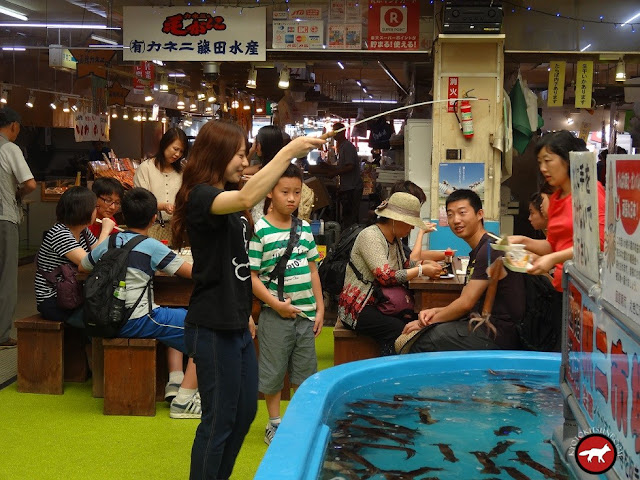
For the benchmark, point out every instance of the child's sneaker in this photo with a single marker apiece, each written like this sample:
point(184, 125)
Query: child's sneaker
point(191, 409)
point(269, 432)
point(170, 391)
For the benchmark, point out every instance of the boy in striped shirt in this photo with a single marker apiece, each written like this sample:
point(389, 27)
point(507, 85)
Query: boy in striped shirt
point(287, 328)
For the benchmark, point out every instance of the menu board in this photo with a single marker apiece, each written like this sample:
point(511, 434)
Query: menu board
point(621, 269)
point(584, 197)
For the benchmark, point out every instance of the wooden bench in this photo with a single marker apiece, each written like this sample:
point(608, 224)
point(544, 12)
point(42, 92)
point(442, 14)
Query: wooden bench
point(348, 346)
point(48, 355)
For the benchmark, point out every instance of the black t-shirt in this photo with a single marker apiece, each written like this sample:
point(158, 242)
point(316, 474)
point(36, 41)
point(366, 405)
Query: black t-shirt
point(381, 132)
point(221, 298)
point(509, 304)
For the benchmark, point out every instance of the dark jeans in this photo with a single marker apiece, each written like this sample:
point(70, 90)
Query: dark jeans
point(227, 372)
point(350, 203)
point(453, 336)
point(51, 311)
point(383, 328)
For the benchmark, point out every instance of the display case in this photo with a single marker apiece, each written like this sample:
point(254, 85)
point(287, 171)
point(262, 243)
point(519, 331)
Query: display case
point(122, 169)
point(52, 190)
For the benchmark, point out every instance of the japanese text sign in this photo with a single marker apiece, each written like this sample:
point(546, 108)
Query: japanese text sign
point(556, 84)
point(394, 24)
point(621, 268)
point(90, 127)
point(144, 75)
point(194, 34)
point(584, 197)
point(452, 93)
point(584, 84)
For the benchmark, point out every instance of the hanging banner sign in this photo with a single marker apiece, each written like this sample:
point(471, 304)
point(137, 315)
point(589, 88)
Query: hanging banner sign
point(584, 197)
point(584, 84)
point(556, 84)
point(90, 127)
point(621, 267)
point(194, 34)
point(117, 94)
point(145, 73)
point(92, 61)
point(394, 24)
point(452, 93)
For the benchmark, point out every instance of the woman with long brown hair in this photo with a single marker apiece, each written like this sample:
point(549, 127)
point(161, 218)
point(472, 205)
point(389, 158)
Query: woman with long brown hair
point(218, 329)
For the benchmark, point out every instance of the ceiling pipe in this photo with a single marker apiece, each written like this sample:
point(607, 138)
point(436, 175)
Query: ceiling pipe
point(392, 77)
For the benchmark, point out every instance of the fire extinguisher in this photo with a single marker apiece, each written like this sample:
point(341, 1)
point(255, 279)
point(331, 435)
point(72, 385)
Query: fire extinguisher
point(466, 118)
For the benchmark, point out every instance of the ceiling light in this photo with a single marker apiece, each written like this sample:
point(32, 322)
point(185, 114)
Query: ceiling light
point(54, 104)
point(252, 79)
point(235, 104)
point(74, 107)
point(584, 48)
point(259, 110)
point(284, 78)
point(177, 75)
point(148, 96)
point(621, 74)
point(98, 38)
point(31, 100)
point(158, 62)
point(569, 121)
point(193, 105)
point(125, 114)
point(359, 83)
point(246, 106)
point(180, 100)
point(65, 105)
point(14, 14)
point(201, 96)
point(3, 95)
point(60, 26)
point(14, 49)
point(208, 108)
point(211, 95)
point(164, 83)
point(631, 19)
point(341, 65)
point(114, 112)
point(368, 100)
point(163, 119)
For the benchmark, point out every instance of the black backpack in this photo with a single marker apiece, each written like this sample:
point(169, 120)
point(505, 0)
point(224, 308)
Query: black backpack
point(334, 266)
point(106, 276)
point(541, 325)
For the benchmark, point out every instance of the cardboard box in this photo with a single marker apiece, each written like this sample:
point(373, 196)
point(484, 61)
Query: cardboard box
point(335, 34)
point(298, 35)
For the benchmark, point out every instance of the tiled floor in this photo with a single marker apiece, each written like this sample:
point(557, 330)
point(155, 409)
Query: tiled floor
point(26, 306)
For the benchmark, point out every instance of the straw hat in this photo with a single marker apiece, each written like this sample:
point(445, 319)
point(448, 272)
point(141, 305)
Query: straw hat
point(405, 341)
point(403, 207)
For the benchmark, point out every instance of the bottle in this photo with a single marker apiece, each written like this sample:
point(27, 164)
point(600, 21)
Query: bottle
point(117, 305)
point(448, 260)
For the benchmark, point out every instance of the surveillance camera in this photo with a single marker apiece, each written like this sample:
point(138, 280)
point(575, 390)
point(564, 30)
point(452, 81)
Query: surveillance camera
point(211, 70)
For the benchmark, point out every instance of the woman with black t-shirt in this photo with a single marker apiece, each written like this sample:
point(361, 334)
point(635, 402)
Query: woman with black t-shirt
point(218, 329)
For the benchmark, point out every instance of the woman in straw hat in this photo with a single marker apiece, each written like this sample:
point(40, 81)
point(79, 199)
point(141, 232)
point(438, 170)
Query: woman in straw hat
point(378, 259)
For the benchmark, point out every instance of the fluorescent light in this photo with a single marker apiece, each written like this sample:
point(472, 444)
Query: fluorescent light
point(107, 47)
point(158, 62)
point(14, 14)
point(631, 19)
point(14, 49)
point(341, 65)
point(621, 73)
point(61, 26)
point(584, 48)
point(108, 41)
point(367, 100)
point(177, 75)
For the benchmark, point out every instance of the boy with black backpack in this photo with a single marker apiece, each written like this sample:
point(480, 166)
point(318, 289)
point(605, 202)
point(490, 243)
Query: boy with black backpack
point(145, 318)
point(284, 276)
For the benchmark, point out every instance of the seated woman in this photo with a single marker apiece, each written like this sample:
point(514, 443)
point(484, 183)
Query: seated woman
point(109, 192)
point(379, 259)
point(68, 241)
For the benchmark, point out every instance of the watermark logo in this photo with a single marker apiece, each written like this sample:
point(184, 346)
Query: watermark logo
point(596, 453)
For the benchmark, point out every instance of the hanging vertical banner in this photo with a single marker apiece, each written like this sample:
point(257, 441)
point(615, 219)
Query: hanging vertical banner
point(144, 75)
point(394, 24)
point(621, 267)
point(556, 84)
point(584, 196)
point(584, 84)
point(452, 93)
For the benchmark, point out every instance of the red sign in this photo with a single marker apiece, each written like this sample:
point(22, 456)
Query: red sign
point(452, 92)
point(628, 184)
point(144, 76)
point(394, 24)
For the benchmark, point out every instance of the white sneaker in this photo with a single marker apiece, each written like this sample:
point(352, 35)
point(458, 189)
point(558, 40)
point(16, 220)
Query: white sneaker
point(269, 432)
point(191, 409)
point(170, 391)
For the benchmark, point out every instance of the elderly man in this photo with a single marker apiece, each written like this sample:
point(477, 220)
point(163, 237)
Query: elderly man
point(16, 181)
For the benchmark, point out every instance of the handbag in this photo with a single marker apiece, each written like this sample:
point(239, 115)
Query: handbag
point(394, 300)
point(281, 266)
point(69, 294)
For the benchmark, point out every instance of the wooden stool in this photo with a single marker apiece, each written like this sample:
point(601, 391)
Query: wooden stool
point(348, 346)
point(40, 347)
point(130, 376)
point(76, 367)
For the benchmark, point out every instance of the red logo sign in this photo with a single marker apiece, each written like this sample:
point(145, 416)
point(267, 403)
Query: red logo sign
point(393, 17)
point(628, 185)
point(596, 453)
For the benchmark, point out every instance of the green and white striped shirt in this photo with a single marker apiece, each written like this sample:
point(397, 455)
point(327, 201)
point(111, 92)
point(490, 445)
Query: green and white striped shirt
point(265, 250)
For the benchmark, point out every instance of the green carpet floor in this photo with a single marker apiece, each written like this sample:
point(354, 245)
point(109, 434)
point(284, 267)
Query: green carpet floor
point(51, 437)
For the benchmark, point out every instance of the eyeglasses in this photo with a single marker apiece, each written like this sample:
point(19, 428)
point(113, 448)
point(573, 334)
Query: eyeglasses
point(110, 203)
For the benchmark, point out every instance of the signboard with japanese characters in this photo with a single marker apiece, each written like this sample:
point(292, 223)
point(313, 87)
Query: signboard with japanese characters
point(452, 94)
point(144, 74)
point(394, 24)
point(353, 12)
point(90, 127)
point(584, 83)
point(194, 34)
point(621, 266)
point(584, 197)
point(302, 35)
point(556, 84)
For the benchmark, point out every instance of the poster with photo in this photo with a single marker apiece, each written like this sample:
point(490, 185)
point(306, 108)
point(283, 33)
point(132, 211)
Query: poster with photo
point(458, 176)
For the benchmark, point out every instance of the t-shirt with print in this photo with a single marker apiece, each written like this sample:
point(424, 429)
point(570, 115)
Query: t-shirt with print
point(57, 242)
point(145, 259)
point(221, 298)
point(509, 304)
point(268, 245)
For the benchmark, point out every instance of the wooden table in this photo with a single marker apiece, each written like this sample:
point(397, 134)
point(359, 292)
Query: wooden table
point(430, 293)
point(171, 290)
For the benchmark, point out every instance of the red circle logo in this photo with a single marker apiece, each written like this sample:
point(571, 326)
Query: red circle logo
point(393, 17)
point(596, 453)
